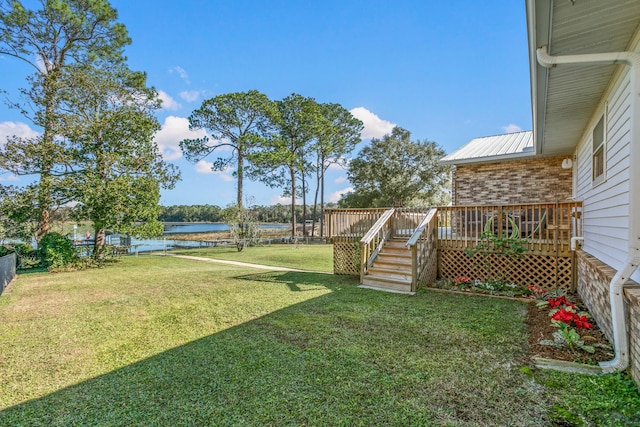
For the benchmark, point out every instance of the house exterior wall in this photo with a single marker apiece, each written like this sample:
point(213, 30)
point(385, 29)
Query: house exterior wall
point(593, 285)
point(540, 180)
point(606, 204)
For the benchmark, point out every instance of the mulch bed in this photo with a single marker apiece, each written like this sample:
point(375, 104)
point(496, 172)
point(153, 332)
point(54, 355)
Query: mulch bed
point(540, 328)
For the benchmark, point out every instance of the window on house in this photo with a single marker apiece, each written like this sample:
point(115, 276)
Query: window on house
point(598, 151)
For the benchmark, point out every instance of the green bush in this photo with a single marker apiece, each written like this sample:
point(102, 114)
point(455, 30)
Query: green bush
point(5, 250)
point(57, 252)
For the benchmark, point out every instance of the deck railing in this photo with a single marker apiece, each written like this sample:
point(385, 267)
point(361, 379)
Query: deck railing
point(546, 228)
point(351, 223)
point(423, 245)
point(355, 223)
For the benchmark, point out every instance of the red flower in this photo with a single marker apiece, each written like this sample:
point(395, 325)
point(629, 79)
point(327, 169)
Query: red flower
point(461, 280)
point(559, 302)
point(537, 291)
point(571, 318)
point(582, 322)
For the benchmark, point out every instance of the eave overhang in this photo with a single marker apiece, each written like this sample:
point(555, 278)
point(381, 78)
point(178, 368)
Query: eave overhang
point(564, 98)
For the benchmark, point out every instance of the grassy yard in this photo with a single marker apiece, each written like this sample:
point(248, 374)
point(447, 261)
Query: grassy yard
point(313, 257)
point(167, 341)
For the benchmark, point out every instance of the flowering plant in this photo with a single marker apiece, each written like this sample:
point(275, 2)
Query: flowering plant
point(571, 318)
point(560, 302)
point(537, 292)
point(461, 280)
point(567, 336)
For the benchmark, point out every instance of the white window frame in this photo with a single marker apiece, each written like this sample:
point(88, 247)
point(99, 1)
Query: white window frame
point(599, 148)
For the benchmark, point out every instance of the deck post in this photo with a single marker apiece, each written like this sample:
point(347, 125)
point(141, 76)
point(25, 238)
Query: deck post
point(414, 268)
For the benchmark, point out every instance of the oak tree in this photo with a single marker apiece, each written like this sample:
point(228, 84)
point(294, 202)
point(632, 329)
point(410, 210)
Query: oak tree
point(116, 169)
point(394, 170)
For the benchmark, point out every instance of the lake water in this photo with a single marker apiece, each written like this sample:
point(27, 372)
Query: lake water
point(147, 245)
point(167, 242)
point(209, 227)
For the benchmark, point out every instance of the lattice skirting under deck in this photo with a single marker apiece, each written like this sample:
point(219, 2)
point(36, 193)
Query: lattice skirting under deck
point(430, 273)
point(346, 257)
point(545, 271)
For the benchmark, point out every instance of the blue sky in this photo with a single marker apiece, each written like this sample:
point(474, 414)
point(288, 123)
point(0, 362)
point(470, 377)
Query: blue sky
point(448, 71)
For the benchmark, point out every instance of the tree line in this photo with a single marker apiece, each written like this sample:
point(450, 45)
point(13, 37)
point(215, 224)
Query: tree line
point(212, 213)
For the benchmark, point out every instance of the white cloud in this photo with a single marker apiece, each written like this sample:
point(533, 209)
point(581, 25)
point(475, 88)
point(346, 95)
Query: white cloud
point(181, 72)
point(374, 126)
point(511, 128)
point(168, 103)
point(205, 168)
point(339, 166)
point(9, 178)
point(336, 195)
point(279, 200)
point(189, 95)
point(40, 64)
point(19, 129)
point(175, 129)
point(340, 179)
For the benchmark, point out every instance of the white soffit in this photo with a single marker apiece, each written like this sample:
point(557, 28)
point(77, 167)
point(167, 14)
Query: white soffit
point(565, 97)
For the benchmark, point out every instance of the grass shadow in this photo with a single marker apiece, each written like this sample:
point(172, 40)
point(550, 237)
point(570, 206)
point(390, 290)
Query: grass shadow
point(349, 357)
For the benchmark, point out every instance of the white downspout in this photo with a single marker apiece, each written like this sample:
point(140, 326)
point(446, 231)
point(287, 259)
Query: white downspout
point(616, 294)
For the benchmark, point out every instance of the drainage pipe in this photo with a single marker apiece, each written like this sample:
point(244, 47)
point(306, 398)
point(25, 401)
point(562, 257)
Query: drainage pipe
point(574, 242)
point(616, 294)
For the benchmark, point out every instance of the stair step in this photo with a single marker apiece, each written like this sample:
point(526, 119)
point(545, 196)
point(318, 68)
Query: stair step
point(393, 262)
point(386, 256)
point(395, 250)
point(396, 243)
point(382, 283)
point(390, 273)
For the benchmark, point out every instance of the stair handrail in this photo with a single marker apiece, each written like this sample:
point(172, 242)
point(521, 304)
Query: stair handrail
point(423, 246)
point(374, 240)
point(421, 227)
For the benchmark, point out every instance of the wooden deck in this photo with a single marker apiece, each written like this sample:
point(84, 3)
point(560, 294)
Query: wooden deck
point(544, 229)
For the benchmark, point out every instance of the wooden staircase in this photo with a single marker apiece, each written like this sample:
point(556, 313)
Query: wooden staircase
point(391, 270)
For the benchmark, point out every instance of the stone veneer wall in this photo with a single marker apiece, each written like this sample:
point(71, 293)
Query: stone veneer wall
point(540, 180)
point(594, 277)
point(633, 299)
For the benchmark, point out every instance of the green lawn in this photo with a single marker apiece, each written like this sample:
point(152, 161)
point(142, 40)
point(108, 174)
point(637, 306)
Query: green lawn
point(166, 341)
point(313, 257)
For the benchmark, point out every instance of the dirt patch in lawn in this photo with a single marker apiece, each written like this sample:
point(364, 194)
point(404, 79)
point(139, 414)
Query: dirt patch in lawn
point(541, 328)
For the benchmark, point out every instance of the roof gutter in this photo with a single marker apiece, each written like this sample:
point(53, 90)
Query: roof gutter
point(616, 293)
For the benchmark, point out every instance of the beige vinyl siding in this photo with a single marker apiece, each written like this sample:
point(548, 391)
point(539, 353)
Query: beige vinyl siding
point(606, 204)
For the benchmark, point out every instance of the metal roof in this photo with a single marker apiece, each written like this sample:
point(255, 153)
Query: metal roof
point(565, 97)
point(492, 148)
